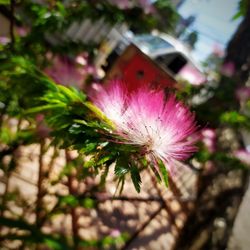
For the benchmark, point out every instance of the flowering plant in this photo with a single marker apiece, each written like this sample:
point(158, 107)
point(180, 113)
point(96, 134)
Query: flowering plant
point(73, 139)
point(133, 130)
point(144, 118)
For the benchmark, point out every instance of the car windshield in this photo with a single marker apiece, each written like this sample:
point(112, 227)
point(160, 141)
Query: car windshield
point(152, 43)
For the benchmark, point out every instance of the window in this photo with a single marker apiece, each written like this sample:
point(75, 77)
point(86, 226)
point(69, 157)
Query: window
point(173, 62)
point(152, 43)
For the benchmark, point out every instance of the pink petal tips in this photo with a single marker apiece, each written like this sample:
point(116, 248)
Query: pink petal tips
point(161, 127)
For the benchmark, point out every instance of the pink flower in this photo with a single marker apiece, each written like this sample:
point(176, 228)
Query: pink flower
point(147, 6)
point(218, 50)
point(115, 233)
point(228, 69)
point(71, 71)
point(22, 31)
point(82, 58)
point(192, 74)
point(41, 128)
point(122, 4)
point(66, 72)
point(243, 155)
point(4, 40)
point(208, 137)
point(243, 93)
point(112, 101)
point(160, 127)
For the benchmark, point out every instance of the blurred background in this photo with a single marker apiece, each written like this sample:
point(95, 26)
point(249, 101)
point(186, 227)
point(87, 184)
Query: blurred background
point(52, 197)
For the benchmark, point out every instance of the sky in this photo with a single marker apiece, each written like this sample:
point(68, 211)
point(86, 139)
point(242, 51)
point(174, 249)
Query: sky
point(213, 22)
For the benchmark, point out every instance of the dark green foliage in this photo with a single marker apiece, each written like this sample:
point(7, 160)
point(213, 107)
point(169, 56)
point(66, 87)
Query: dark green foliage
point(135, 176)
point(235, 119)
point(32, 234)
point(164, 172)
point(78, 124)
point(243, 6)
point(4, 1)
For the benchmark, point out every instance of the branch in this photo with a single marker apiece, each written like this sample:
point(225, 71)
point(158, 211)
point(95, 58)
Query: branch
point(12, 22)
point(74, 217)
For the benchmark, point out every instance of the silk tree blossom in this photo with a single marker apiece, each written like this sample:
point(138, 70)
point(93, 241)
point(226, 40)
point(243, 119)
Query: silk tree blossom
point(228, 69)
point(122, 4)
point(22, 31)
point(71, 72)
point(41, 128)
point(65, 72)
point(243, 155)
point(112, 101)
point(193, 75)
point(218, 51)
point(115, 233)
point(4, 40)
point(243, 93)
point(208, 137)
point(160, 127)
point(145, 5)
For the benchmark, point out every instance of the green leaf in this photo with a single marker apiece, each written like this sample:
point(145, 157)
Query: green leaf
point(88, 203)
point(164, 172)
point(136, 178)
point(236, 16)
point(54, 244)
point(156, 173)
point(243, 6)
point(90, 163)
point(4, 1)
point(121, 167)
point(120, 185)
point(202, 155)
point(83, 122)
point(45, 107)
point(89, 147)
point(76, 129)
point(122, 180)
point(98, 113)
point(104, 176)
point(107, 241)
point(104, 159)
point(69, 200)
point(70, 94)
point(233, 117)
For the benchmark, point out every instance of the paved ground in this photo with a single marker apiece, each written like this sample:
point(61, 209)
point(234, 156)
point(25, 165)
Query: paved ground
point(240, 239)
point(154, 218)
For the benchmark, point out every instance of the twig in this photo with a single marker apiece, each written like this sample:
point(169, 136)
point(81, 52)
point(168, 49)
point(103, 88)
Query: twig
point(52, 162)
point(12, 21)
point(5, 195)
point(8, 175)
point(40, 185)
point(74, 217)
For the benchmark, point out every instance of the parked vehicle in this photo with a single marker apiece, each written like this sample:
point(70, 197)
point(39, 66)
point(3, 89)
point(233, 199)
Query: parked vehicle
point(169, 53)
